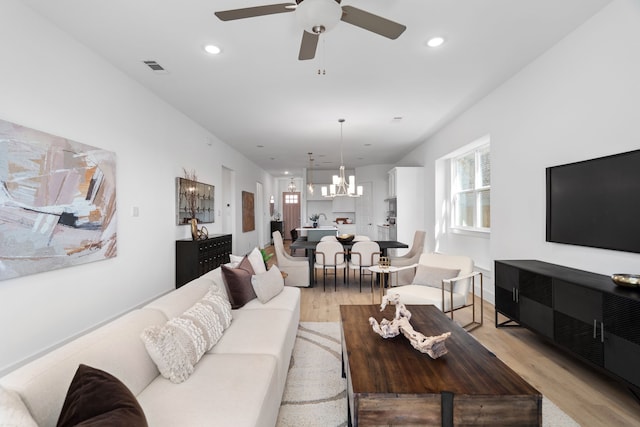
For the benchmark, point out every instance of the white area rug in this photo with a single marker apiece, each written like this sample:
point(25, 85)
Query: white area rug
point(315, 393)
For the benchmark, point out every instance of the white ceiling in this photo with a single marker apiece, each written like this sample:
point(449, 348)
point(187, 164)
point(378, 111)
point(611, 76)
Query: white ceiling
point(257, 93)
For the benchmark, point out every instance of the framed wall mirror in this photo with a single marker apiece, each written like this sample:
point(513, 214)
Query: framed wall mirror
point(194, 200)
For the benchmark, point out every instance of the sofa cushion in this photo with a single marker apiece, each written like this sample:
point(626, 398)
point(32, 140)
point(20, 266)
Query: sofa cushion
point(268, 331)
point(177, 346)
point(288, 299)
point(238, 282)
point(13, 412)
point(215, 276)
point(238, 390)
point(267, 285)
point(179, 300)
point(97, 398)
point(433, 276)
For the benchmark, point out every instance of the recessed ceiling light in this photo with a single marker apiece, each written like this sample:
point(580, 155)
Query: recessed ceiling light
point(212, 49)
point(435, 42)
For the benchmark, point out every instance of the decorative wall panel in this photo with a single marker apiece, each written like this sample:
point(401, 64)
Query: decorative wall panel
point(194, 200)
point(248, 218)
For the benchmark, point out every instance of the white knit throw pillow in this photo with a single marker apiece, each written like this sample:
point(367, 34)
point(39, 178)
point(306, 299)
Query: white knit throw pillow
point(220, 305)
point(177, 346)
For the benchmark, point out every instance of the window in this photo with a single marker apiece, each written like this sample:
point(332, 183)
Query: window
point(471, 190)
point(291, 198)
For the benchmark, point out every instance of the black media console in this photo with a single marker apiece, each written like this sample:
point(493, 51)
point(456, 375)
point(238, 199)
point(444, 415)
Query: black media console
point(584, 313)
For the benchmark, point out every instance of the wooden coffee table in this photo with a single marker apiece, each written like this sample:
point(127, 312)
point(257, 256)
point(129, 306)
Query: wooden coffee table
point(391, 383)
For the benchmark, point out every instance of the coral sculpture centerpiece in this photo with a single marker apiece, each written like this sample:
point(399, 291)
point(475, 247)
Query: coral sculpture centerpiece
point(433, 346)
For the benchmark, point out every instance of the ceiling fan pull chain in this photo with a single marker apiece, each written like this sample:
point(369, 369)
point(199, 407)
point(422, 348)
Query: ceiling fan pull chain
point(324, 71)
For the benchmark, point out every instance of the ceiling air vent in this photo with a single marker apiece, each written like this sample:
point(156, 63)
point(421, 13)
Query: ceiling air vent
point(155, 66)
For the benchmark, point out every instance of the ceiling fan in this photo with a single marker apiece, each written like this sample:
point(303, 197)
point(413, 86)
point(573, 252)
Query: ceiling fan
point(317, 17)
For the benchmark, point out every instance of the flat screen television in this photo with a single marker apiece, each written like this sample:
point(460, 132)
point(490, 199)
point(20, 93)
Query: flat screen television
point(596, 203)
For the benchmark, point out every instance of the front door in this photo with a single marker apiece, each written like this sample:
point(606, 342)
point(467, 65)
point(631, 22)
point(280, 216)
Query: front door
point(291, 212)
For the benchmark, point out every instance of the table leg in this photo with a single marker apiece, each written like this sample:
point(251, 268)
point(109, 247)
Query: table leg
point(309, 253)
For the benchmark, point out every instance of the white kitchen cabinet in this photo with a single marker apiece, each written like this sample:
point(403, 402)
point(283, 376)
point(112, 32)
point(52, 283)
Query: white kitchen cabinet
point(383, 232)
point(392, 182)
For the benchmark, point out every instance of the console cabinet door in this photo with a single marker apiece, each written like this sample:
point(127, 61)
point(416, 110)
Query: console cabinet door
point(622, 337)
point(535, 298)
point(506, 290)
point(578, 323)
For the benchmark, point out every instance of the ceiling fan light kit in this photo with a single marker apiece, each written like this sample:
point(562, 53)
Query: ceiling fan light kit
point(317, 17)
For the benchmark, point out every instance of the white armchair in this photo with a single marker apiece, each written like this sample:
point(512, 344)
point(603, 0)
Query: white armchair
point(446, 281)
point(297, 268)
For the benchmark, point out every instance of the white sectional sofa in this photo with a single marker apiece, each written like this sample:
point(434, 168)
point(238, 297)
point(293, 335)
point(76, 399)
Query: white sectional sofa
point(239, 382)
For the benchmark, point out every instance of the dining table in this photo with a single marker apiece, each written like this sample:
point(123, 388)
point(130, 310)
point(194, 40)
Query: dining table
point(310, 250)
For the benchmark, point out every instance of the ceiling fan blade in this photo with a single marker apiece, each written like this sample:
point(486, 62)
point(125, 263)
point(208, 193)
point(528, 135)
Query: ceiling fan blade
point(250, 12)
point(371, 22)
point(308, 46)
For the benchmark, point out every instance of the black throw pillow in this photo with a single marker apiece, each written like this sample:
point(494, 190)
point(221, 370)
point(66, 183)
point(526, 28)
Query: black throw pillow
point(98, 399)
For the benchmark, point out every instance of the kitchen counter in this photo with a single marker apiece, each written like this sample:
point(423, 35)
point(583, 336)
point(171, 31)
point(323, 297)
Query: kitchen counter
point(315, 234)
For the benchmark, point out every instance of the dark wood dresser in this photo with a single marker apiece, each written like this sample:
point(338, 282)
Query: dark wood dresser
point(196, 257)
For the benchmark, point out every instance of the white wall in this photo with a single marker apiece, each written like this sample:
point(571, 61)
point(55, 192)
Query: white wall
point(54, 84)
point(577, 101)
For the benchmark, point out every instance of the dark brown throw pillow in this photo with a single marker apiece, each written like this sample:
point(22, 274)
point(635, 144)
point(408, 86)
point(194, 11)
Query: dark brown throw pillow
point(238, 282)
point(98, 399)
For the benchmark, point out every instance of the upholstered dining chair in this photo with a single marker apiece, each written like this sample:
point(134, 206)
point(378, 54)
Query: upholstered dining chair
point(364, 254)
point(330, 256)
point(446, 281)
point(297, 268)
point(405, 277)
point(328, 239)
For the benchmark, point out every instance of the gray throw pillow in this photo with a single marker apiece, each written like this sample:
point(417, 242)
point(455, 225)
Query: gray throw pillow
point(433, 276)
point(267, 285)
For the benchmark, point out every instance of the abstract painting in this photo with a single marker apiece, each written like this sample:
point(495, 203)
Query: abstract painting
point(57, 202)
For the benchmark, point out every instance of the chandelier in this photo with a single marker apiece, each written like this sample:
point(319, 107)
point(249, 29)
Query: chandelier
point(340, 186)
point(292, 187)
point(310, 174)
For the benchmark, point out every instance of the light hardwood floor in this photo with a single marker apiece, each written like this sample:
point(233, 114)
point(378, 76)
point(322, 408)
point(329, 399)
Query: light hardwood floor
point(590, 398)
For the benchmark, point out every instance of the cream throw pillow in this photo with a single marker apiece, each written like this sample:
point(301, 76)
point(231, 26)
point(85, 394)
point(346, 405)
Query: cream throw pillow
point(255, 258)
point(177, 346)
point(433, 276)
point(267, 285)
point(13, 411)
